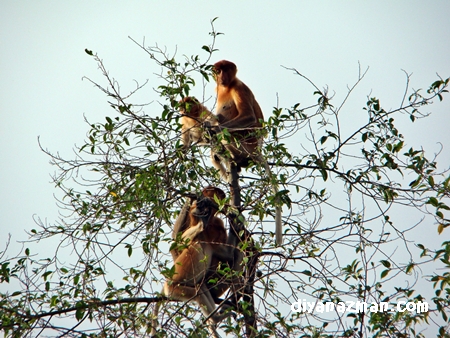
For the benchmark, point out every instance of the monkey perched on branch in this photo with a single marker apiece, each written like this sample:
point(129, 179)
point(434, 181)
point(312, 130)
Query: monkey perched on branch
point(205, 246)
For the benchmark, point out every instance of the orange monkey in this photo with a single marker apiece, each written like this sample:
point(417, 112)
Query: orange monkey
point(216, 234)
point(205, 236)
point(194, 115)
point(236, 104)
point(240, 113)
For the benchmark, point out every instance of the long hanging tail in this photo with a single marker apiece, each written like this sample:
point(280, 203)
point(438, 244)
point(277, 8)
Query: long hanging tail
point(278, 225)
point(155, 316)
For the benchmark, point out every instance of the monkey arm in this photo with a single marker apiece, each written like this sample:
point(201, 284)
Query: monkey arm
point(186, 139)
point(244, 102)
point(193, 231)
point(229, 253)
point(185, 131)
point(245, 118)
point(182, 221)
point(180, 225)
point(242, 121)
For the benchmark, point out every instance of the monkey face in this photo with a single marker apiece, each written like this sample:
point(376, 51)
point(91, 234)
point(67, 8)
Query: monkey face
point(203, 209)
point(191, 107)
point(224, 72)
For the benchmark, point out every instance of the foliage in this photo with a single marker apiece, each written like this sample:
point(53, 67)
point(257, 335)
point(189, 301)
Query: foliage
point(341, 192)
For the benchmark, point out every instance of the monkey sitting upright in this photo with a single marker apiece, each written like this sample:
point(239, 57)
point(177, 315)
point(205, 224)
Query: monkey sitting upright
point(206, 237)
point(242, 147)
point(235, 256)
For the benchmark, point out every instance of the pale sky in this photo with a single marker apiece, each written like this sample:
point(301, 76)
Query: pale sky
point(42, 62)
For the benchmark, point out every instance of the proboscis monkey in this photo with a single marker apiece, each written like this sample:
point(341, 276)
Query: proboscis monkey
point(240, 113)
point(193, 117)
point(235, 256)
point(205, 236)
point(242, 147)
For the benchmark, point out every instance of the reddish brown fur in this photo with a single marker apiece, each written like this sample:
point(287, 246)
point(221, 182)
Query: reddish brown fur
point(216, 234)
point(194, 115)
point(203, 253)
point(183, 221)
point(209, 237)
point(238, 111)
point(194, 261)
point(236, 104)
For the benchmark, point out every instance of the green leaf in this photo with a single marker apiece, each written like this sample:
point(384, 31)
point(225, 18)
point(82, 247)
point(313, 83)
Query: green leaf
point(80, 311)
point(433, 201)
point(46, 274)
point(410, 268)
point(324, 174)
point(385, 263)
point(398, 147)
point(53, 301)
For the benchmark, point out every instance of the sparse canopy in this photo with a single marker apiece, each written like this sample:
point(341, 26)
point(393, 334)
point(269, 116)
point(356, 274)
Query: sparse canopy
point(342, 190)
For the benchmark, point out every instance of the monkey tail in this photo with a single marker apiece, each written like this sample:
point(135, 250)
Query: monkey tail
point(278, 225)
point(155, 317)
point(278, 228)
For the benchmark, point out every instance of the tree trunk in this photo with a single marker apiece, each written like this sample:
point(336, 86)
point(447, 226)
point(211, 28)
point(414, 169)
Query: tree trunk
point(250, 269)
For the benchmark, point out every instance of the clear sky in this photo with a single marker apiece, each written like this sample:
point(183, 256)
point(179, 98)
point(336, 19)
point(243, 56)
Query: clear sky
point(42, 62)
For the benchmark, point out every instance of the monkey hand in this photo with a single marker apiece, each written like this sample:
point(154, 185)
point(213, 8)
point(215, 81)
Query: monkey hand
point(210, 128)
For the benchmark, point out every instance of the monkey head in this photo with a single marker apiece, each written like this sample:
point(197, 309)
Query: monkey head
point(211, 191)
point(205, 207)
point(190, 106)
point(224, 72)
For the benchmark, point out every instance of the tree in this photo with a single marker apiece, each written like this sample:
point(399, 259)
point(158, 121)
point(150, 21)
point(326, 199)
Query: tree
point(340, 192)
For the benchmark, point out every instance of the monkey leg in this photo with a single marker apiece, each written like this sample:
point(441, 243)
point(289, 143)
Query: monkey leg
point(216, 161)
point(201, 296)
point(278, 224)
point(155, 315)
